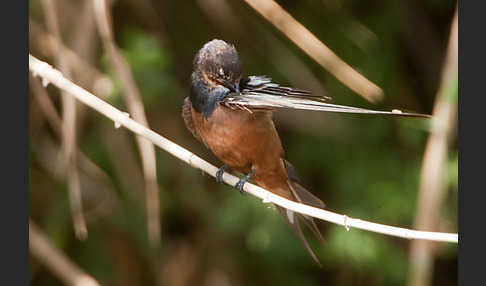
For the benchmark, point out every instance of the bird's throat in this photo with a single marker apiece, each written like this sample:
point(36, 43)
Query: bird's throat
point(205, 96)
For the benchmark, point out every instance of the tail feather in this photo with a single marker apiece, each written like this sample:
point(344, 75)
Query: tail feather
point(304, 196)
point(300, 194)
point(294, 223)
point(310, 223)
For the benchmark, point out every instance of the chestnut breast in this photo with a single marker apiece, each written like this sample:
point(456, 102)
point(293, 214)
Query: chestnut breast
point(241, 139)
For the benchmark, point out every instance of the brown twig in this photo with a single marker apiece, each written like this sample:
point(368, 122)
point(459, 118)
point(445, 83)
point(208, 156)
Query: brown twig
point(97, 188)
point(135, 106)
point(84, 43)
point(432, 188)
point(55, 260)
point(311, 45)
point(49, 46)
point(55, 121)
point(46, 105)
point(84, 40)
point(69, 128)
point(126, 163)
point(93, 174)
point(42, 69)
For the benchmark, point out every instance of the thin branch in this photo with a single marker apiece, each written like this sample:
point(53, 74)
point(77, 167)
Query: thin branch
point(49, 46)
point(311, 45)
point(46, 105)
point(39, 68)
point(92, 173)
point(55, 121)
point(432, 188)
point(135, 106)
point(125, 161)
point(55, 260)
point(84, 39)
point(98, 194)
point(69, 129)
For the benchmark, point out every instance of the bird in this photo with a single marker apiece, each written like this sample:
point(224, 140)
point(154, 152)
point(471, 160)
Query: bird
point(231, 115)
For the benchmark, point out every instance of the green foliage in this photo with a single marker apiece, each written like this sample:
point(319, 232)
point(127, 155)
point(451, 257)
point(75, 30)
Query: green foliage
point(367, 252)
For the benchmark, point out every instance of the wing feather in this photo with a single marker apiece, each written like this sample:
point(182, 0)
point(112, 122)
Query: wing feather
point(258, 92)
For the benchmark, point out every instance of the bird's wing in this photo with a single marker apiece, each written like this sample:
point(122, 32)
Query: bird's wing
point(258, 92)
point(187, 116)
point(264, 85)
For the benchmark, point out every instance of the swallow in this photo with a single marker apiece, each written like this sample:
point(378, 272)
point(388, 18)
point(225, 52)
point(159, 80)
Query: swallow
point(232, 116)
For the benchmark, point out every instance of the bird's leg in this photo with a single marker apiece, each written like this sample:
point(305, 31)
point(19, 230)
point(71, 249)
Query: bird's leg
point(243, 180)
point(220, 172)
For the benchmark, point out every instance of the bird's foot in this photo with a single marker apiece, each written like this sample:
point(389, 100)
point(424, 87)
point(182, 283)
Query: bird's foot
point(220, 172)
point(239, 185)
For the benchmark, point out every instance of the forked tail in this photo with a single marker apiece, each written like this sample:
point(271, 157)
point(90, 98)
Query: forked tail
point(301, 195)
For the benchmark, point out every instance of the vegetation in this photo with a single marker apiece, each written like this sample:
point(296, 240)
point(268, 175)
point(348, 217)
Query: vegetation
point(366, 167)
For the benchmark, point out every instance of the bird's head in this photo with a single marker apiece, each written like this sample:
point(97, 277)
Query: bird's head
point(218, 64)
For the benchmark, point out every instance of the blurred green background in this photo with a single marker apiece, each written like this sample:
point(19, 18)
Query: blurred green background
point(366, 167)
